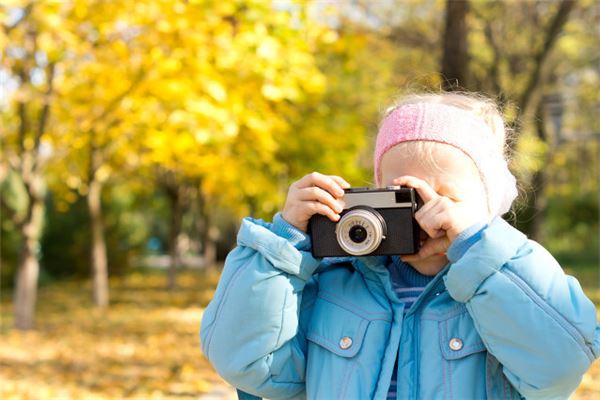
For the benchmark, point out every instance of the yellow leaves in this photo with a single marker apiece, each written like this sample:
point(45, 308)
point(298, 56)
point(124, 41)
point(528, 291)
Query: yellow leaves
point(182, 144)
point(169, 66)
point(73, 182)
point(120, 49)
point(272, 92)
point(269, 49)
point(315, 83)
point(230, 128)
point(28, 143)
point(216, 90)
point(103, 173)
point(178, 118)
point(200, 106)
point(51, 18)
point(187, 86)
point(145, 346)
point(46, 42)
point(163, 26)
point(531, 153)
point(329, 36)
point(202, 136)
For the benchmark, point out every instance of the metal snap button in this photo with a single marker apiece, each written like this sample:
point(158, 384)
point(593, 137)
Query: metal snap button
point(455, 344)
point(345, 342)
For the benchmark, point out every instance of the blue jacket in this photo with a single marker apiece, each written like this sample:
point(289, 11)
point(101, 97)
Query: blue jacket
point(502, 320)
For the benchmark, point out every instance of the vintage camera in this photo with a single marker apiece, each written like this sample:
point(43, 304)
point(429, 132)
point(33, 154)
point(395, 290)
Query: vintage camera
point(377, 221)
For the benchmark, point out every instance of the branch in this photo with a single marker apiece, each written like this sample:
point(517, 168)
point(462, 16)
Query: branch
point(41, 128)
point(96, 156)
point(494, 70)
point(559, 20)
point(115, 101)
point(403, 36)
point(22, 113)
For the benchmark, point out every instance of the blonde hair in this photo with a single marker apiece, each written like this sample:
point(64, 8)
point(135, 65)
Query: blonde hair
point(496, 135)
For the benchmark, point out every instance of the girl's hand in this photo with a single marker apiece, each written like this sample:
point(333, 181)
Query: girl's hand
point(315, 193)
point(440, 217)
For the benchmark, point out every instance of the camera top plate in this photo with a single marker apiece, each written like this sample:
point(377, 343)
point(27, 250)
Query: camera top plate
point(389, 197)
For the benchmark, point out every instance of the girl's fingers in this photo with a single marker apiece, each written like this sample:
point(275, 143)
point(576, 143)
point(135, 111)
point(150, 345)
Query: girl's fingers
point(315, 193)
point(432, 246)
point(323, 181)
point(340, 181)
point(430, 217)
point(316, 207)
point(425, 191)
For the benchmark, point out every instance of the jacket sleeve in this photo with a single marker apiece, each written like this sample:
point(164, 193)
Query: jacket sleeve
point(531, 316)
point(251, 331)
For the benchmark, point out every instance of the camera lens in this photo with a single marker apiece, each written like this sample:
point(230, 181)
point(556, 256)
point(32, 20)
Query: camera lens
point(357, 234)
point(360, 231)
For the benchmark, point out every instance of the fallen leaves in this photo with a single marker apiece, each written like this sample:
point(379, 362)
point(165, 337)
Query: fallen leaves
point(146, 345)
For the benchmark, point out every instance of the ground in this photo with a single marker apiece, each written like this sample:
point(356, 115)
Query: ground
point(146, 345)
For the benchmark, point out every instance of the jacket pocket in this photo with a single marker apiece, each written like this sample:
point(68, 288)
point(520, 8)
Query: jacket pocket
point(337, 329)
point(338, 367)
point(463, 357)
point(458, 337)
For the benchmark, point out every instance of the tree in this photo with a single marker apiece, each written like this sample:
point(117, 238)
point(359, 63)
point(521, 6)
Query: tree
point(455, 56)
point(514, 63)
point(25, 120)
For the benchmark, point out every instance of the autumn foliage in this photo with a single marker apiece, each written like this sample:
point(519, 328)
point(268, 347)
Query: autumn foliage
point(139, 129)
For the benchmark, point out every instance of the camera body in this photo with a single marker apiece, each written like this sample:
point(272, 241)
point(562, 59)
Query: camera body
point(375, 221)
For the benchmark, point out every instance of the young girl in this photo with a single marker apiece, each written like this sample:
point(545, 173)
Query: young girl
point(479, 312)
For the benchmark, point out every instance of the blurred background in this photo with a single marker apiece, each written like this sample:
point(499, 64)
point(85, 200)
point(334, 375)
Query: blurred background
point(135, 135)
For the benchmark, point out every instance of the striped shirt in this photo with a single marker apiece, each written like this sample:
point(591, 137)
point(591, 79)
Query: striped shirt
point(408, 284)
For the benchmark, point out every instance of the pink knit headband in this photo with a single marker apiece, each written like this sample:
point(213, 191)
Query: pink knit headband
point(454, 126)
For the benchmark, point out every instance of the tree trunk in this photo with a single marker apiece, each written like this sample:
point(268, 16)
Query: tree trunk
point(98, 253)
point(210, 245)
point(176, 203)
point(209, 233)
point(455, 57)
point(538, 201)
point(28, 269)
point(29, 167)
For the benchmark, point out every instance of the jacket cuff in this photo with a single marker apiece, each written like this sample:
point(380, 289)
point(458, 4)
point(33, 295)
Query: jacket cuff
point(280, 252)
point(295, 236)
point(463, 241)
point(496, 244)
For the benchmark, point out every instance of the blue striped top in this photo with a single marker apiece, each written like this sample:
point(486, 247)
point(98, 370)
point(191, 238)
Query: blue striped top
point(408, 284)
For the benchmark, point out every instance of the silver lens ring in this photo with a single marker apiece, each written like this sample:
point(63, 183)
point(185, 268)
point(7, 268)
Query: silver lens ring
point(369, 222)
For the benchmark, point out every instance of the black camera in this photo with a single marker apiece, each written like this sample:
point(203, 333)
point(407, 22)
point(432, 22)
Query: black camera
point(377, 221)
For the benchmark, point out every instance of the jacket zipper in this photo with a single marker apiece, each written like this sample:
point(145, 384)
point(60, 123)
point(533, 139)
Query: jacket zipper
point(416, 352)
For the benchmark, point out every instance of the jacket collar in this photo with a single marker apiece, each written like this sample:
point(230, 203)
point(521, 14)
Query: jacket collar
point(375, 270)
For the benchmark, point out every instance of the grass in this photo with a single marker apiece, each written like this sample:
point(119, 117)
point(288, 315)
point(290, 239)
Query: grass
point(144, 346)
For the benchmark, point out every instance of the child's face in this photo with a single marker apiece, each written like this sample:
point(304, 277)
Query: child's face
point(451, 174)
